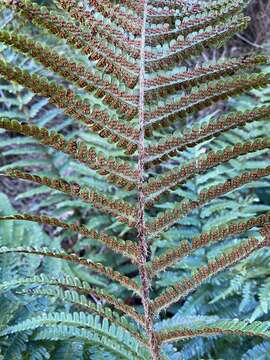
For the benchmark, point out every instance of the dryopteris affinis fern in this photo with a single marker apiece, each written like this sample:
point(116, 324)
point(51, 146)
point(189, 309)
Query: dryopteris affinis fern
point(130, 89)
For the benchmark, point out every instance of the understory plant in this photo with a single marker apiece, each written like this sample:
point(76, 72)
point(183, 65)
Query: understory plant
point(164, 174)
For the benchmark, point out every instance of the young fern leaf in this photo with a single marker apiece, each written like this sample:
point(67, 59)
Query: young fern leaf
point(122, 77)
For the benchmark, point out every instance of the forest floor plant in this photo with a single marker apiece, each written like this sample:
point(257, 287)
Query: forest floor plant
point(134, 86)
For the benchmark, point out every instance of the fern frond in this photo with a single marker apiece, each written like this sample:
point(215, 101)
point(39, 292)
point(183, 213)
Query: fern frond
point(78, 38)
point(81, 302)
point(118, 172)
point(170, 179)
point(98, 268)
point(169, 218)
point(214, 235)
point(95, 119)
point(127, 71)
point(183, 49)
point(81, 287)
point(130, 24)
point(220, 327)
point(108, 33)
point(189, 25)
point(99, 201)
point(202, 99)
point(166, 85)
point(75, 73)
point(126, 248)
point(83, 321)
point(173, 294)
point(197, 134)
point(166, 10)
point(106, 345)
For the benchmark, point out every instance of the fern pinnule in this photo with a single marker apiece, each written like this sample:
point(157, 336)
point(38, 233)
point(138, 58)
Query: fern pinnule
point(98, 268)
point(214, 235)
point(183, 49)
point(79, 39)
point(235, 327)
point(169, 218)
point(118, 172)
point(167, 85)
point(198, 134)
point(82, 303)
point(156, 187)
point(83, 321)
point(164, 115)
point(125, 247)
point(109, 33)
point(119, 209)
point(95, 119)
point(81, 287)
point(180, 290)
point(75, 73)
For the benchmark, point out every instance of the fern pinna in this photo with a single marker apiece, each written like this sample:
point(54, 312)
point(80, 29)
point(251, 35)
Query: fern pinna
point(134, 83)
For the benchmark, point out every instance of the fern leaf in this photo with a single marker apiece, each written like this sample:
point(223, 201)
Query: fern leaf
point(183, 288)
point(130, 24)
point(98, 268)
point(214, 235)
point(78, 38)
point(220, 327)
point(81, 287)
point(99, 201)
point(110, 33)
point(160, 184)
point(106, 344)
point(120, 173)
point(199, 100)
point(80, 320)
point(182, 50)
point(158, 153)
point(95, 119)
point(165, 85)
point(170, 179)
point(71, 71)
point(81, 302)
point(168, 218)
point(189, 25)
point(126, 248)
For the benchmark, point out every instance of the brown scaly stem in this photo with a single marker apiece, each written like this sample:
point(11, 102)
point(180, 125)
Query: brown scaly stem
point(143, 247)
